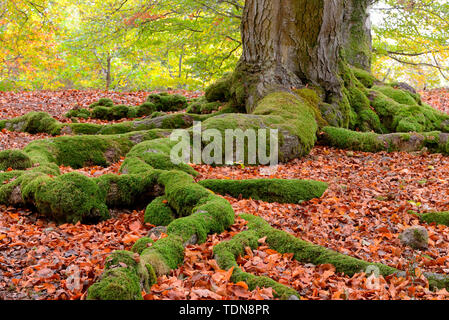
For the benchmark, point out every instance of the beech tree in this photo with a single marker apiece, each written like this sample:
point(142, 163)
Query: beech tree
point(304, 70)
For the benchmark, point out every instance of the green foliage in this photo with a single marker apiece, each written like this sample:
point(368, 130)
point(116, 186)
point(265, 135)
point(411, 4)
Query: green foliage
point(410, 42)
point(84, 44)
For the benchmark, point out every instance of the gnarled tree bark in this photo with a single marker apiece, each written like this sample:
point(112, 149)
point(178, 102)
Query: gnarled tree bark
point(293, 43)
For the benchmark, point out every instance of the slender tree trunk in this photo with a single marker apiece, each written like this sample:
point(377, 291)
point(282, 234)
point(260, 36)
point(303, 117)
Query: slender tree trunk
point(292, 43)
point(108, 72)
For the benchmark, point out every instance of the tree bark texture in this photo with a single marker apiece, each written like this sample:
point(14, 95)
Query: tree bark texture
point(293, 43)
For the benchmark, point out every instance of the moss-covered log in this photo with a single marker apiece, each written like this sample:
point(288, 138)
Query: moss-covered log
point(372, 142)
point(269, 190)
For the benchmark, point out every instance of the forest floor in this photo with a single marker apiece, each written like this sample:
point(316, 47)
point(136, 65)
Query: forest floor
point(361, 214)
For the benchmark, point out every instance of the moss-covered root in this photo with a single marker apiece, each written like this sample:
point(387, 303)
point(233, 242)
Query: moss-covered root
point(167, 102)
point(32, 122)
point(14, 159)
point(226, 253)
point(79, 151)
point(373, 142)
point(153, 153)
point(441, 217)
point(159, 213)
point(289, 114)
point(120, 280)
point(202, 213)
point(307, 252)
point(73, 197)
point(269, 190)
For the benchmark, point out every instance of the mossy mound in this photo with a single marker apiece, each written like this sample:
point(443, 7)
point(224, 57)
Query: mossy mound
point(14, 159)
point(33, 122)
point(159, 213)
point(168, 102)
point(220, 90)
point(129, 190)
point(202, 106)
point(269, 190)
point(371, 142)
point(441, 217)
point(79, 151)
point(104, 102)
point(120, 280)
point(71, 197)
point(113, 112)
point(142, 244)
point(155, 153)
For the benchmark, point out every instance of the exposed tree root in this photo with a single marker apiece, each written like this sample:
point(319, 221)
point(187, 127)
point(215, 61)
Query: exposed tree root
point(436, 142)
point(268, 190)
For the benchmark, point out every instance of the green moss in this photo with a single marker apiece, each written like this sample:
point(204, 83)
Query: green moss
point(297, 118)
point(434, 217)
point(85, 128)
point(170, 249)
point(159, 213)
point(14, 159)
point(310, 96)
point(226, 253)
point(34, 122)
point(202, 106)
point(79, 151)
point(212, 214)
point(101, 112)
point(366, 78)
point(7, 176)
point(142, 244)
point(270, 190)
point(352, 140)
point(156, 153)
point(397, 117)
point(307, 252)
point(119, 112)
point(104, 102)
point(130, 190)
point(116, 284)
point(146, 109)
point(220, 90)
point(78, 113)
point(71, 197)
point(121, 258)
point(165, 102)
point(398, 95)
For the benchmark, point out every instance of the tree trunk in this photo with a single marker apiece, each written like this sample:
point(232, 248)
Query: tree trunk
point(108, 72)
point(293, 43)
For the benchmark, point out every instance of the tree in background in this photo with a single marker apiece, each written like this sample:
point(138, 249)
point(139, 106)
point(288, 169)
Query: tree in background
point(412, 43)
